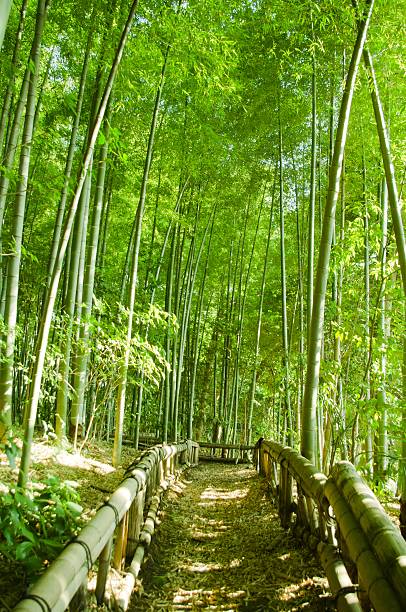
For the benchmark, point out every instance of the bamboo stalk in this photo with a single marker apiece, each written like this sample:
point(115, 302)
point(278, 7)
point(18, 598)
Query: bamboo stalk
point(135, 519)
point(79, 600)
point(120, 544)
point(104, 566)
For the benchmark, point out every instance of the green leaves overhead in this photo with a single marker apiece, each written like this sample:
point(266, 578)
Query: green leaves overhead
point(233, 68)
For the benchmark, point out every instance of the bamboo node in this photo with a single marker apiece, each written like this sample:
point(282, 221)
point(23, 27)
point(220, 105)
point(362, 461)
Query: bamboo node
point(86, 548)
point(345, 590)
point(116, 514)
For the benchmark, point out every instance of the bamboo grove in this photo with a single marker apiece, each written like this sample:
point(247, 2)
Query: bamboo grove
point(201, 227)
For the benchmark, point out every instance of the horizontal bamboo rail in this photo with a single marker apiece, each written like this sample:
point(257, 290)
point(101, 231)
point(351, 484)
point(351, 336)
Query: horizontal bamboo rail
point(242, 447)
point(124, 514)
point(383, 536)
point(361, 550)
point(230, 453)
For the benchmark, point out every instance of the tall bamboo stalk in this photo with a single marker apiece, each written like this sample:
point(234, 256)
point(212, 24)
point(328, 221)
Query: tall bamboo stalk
point(14, 262)
point(5, 8)
point(45, 325)
point(285, 343)
point(259, 322)
point(308, 437)
point(121, 393)
point(312, 203)
point(381, 449)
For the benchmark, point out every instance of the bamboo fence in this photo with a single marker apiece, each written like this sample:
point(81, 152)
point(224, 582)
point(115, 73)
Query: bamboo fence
point(120, 530)
point(362, 551)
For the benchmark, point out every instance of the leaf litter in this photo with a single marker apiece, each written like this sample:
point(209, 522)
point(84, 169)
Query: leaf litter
point(220, 546)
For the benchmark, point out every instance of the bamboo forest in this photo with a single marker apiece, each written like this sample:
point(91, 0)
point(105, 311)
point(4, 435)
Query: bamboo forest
point(202, 239)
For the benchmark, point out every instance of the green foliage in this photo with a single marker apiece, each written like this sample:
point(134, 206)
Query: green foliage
point(233, 68)
point(35, 524)
point(109, 345)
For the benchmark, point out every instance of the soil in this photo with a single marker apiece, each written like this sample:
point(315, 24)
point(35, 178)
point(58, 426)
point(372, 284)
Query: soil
point(220, 547)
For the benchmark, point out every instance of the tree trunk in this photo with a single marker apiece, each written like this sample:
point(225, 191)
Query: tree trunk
point(14, 262)
point(313, 368)
point(45, 325)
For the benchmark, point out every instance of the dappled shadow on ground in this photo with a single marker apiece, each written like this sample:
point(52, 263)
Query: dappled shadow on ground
point(219, 546)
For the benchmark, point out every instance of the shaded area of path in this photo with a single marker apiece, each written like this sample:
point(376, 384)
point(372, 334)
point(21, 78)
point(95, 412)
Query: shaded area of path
point(220, 546)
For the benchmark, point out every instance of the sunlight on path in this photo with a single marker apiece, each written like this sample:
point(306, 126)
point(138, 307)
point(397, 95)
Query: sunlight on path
point(220, 547)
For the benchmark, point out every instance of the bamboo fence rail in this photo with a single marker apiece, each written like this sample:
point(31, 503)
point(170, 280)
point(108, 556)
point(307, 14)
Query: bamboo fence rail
point(117, 532)
point(362, 551)
point(229, 453)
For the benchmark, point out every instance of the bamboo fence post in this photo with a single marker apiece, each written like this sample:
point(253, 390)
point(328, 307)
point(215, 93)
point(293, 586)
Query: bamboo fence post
point(154, 477)
point(302, 520)
point(167, 467)
point(340, 583)
point(285, 496)
point(135, 520)
point(78, 602)
point(273, 475)
point(147, 488)
point(102, 573)
point(121, 542)
point(161, 471)
point(311, 510)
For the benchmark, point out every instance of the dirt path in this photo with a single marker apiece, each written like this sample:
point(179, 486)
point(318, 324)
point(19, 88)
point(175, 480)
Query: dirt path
point(220, 547)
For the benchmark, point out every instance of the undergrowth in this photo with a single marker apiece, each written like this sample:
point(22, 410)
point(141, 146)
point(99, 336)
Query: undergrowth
point(36, 523)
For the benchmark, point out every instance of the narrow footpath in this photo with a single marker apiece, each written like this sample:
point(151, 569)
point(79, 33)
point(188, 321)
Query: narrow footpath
point(219, 546)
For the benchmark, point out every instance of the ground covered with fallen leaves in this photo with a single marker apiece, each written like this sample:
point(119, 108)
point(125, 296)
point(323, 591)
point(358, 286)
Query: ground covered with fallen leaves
point(219, 546)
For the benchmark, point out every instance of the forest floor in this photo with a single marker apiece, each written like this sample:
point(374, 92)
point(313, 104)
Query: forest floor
point(220, 547)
